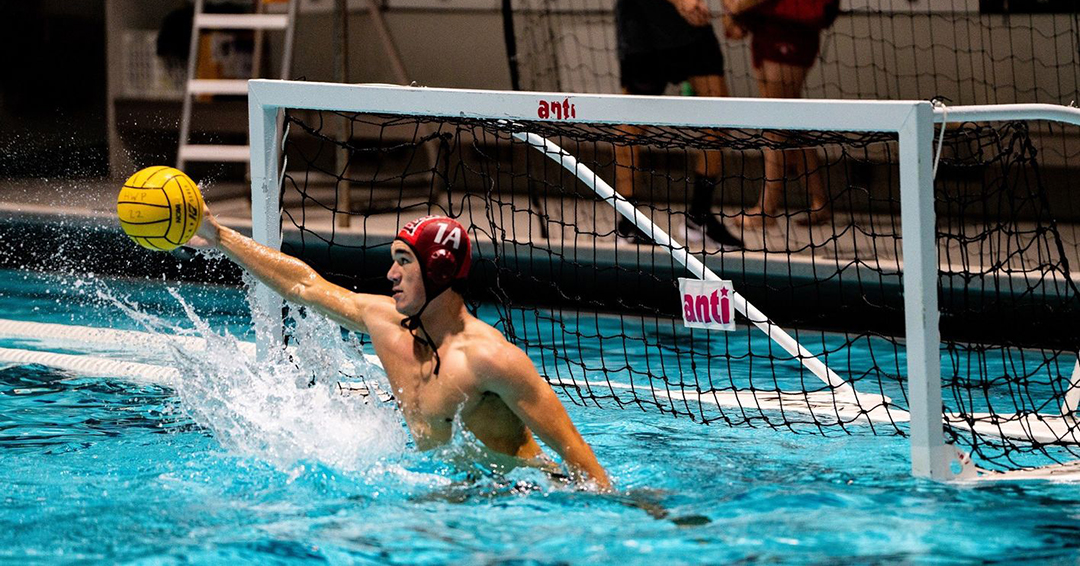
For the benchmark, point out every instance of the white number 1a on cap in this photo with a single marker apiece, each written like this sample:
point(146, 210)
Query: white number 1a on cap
point(453, 238)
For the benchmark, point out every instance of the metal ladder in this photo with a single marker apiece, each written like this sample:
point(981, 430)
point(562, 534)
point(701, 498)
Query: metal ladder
point(259, 22)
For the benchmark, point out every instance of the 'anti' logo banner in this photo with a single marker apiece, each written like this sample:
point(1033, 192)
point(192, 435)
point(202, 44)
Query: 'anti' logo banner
point(707, 304)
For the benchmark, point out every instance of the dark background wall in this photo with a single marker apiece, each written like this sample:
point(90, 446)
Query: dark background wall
point(54, 81)
point(52, 88)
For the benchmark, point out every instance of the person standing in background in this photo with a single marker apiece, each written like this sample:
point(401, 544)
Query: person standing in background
point(785, 42)
point(662, 42)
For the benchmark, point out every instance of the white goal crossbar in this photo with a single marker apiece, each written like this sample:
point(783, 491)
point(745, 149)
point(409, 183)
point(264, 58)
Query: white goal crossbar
point(912, 121)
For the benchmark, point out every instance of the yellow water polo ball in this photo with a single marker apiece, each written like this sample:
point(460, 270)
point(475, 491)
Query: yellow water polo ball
point(160, 208)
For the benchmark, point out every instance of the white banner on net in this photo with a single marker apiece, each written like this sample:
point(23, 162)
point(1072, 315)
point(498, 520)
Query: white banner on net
point(707, 304)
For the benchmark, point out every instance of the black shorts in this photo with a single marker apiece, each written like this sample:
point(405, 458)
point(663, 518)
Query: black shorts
point(650, 73)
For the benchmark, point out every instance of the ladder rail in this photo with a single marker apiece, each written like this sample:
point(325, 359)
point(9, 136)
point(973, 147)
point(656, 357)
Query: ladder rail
point(185, 112)
point(193, 86)
point(287, 50)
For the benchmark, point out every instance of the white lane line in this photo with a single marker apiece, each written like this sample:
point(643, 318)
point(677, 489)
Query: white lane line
point(92, 366)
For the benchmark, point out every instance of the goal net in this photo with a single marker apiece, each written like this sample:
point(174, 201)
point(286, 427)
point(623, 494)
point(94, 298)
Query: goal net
point(962, 52)
point(831, 337)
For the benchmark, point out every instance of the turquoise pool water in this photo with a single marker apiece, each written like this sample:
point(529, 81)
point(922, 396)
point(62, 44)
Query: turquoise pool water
point(240, 465)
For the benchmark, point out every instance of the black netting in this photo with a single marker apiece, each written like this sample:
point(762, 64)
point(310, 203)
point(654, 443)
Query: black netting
point(601, 316)
point(966, 52)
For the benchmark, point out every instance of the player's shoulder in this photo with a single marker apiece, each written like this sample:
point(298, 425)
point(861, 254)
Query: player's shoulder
point(489, 352)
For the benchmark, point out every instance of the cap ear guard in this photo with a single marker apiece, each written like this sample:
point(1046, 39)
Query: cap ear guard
point(441, 266)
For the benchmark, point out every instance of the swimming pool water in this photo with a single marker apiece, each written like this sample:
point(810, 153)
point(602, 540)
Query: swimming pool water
point(98, 470)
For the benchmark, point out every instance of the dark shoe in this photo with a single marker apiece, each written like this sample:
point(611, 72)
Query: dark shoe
point(700, 227)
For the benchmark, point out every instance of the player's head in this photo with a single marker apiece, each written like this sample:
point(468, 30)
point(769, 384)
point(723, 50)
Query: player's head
point(430, 255)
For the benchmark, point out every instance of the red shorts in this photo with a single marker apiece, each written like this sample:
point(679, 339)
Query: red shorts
point(784, 42)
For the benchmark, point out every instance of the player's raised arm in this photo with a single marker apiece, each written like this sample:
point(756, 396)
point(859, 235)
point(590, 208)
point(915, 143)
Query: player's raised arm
point(291, 278)
point(510, 374)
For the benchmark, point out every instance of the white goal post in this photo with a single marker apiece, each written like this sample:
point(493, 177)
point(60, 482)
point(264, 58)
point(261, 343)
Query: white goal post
point(912, 121)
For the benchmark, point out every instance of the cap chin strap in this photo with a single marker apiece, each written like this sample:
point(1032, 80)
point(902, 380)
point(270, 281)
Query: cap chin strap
point(413, 322)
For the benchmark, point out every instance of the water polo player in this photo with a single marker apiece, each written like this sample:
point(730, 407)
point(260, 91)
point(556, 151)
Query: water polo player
point(440, 360)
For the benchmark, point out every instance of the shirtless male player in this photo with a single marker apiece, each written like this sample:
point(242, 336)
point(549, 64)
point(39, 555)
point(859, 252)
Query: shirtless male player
point(439, 359)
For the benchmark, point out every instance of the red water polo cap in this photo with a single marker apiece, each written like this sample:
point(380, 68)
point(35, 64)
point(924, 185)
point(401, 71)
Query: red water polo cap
point(442, 247)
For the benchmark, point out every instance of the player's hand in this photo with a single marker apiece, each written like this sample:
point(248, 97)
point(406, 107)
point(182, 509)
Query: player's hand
point(732, 29)
point(732, 7)
point(209, 233)
point(695, 12)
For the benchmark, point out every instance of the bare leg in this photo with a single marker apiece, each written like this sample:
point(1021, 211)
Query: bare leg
point(626, 161)
point(627, 158)
point(820, 211)
point(779, 80)
point(708, 164)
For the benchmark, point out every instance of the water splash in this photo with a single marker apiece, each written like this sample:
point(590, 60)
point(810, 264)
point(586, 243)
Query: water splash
point(273, 409)
point(287, 409)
